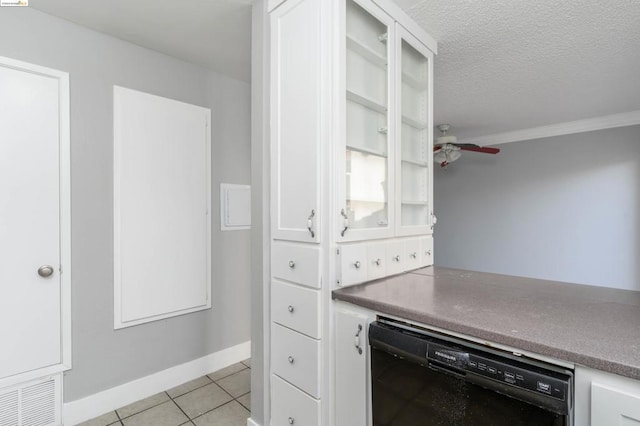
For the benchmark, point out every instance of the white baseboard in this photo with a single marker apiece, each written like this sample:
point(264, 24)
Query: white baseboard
point(95, 405)
point(251, 422)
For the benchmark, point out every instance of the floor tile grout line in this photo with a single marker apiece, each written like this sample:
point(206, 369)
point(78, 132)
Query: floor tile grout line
point(213, 409)
point(231, 374)
point(181, 410)
point(194, 389)
point(244, 394)
point(146, 409)
point(225, 391)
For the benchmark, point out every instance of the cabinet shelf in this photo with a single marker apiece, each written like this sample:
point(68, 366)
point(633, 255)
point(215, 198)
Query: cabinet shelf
point(415, 162)
point(414, 82)
point(366, 102)
point(365, 51)
point(419, 203)
point(366, 150)
point(421, 125)
point(369, 201)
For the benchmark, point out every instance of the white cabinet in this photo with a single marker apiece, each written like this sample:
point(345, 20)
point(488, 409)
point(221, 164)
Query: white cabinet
point(385, 153)
point(296, 358)
point(296, 119)
point(604, 399)
point(414, 146)
point(610, 406)
point(367, 154)
point(297, 263)
point(296, 307)
point(369, 260)
point(352, 368)
point(289, 406)
point(350, 113)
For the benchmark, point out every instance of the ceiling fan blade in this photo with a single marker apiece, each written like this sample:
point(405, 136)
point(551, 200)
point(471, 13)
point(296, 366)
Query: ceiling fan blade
point(477, 148)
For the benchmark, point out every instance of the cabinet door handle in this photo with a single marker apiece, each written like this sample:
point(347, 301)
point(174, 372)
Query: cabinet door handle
point(397, 258)
point(345, 222)
point(291, 420)
point(292, 264)
point(356, 340)
point(45, 271)
point(290, 308)
point(310, 223)
point(290, 359)
point(414, 255)
point(428, 252)
point(357, 264)
point(377, 261)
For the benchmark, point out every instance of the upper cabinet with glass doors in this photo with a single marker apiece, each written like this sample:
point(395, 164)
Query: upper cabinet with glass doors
point(414, 135)
point(368, 152)
point(387, 120)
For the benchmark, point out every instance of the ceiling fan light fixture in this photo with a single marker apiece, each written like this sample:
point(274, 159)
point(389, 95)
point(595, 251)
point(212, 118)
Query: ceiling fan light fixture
point(446, 139)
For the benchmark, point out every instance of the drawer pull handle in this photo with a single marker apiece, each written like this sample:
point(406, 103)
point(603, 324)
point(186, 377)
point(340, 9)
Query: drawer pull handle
point(291, 420)
point(414, 255)
point(428, 252)
point(397, 258)
point(345, 222)
point(290, 308)
point(377, 261)
point(292, 264)
point(310, 223)
point(357, 339)
point(290, 360)
point(357, 264)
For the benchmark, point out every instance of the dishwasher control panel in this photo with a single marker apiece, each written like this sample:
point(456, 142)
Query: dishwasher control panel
point(465, 360)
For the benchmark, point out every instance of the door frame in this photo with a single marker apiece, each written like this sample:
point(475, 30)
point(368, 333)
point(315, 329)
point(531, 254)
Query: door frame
point(64, 141)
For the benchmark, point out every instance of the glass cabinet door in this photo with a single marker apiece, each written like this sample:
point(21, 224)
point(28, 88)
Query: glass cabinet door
point(415, 136)
point(367, 182)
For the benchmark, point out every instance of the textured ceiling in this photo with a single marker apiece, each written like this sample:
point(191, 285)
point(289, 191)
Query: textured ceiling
point(503, 65)
point(506, 65)
point(212, 33)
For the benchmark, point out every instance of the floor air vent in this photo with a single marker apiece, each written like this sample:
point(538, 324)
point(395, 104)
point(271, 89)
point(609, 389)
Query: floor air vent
point(35, 403)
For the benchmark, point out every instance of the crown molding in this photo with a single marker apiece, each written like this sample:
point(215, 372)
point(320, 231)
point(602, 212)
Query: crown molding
point(631, 118)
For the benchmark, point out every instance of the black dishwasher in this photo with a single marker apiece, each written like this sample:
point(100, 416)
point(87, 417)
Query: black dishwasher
point(419, 377)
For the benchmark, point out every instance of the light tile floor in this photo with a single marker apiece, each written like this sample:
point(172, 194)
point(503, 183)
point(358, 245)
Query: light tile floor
point(221, 398)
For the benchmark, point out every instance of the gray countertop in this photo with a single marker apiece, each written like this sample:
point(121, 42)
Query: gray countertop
point(595, 327)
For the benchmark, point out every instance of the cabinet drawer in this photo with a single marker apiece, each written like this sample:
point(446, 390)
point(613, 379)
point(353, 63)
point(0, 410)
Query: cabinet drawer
point(426, 251)
point(296, 307)
point(413, 256)
point(353, 264)
point(376, 260)
point(395, 257)
point(290, 406)
point(296, 263)
point(296, 358)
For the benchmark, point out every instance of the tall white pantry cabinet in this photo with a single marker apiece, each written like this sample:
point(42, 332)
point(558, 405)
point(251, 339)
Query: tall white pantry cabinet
point(351, 101)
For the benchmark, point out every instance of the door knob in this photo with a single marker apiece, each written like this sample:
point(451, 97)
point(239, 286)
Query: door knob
point(45, 271)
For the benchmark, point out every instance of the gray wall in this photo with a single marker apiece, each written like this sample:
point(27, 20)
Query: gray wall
point(102, 357)
point(564, 208)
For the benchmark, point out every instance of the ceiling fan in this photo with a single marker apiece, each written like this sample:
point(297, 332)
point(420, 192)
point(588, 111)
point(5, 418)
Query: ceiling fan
point(446, 149)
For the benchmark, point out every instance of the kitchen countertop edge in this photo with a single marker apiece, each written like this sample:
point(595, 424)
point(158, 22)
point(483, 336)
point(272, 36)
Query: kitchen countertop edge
point(535, 347)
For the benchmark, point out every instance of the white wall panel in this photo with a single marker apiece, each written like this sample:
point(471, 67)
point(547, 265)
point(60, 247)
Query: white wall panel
point(162, 200)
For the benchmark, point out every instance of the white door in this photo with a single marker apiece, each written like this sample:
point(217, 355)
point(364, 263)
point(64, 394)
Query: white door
point(30, 284)
point(351, 368)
